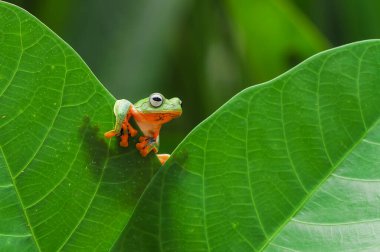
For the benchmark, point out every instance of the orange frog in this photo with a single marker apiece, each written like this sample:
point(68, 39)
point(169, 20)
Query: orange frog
point(150, 114)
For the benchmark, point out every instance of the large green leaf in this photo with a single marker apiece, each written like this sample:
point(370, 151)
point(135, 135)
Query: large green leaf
point(290, 165)
point(62, 186)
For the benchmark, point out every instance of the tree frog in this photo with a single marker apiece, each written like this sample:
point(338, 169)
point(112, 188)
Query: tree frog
point(150, 114)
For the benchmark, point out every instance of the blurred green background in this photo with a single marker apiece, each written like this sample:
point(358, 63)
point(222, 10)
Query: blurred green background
point(201, 51)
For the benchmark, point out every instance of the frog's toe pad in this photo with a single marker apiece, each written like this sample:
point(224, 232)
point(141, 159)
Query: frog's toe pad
point(123, 143)
point(124, 140)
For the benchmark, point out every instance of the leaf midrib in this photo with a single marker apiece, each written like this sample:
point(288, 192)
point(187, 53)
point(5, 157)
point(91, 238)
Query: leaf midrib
point(316, 188)
point(348, 152)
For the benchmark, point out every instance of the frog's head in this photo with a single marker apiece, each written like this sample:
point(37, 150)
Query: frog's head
point(157, 109)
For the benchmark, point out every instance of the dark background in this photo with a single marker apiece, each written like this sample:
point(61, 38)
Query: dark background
point(201, 51)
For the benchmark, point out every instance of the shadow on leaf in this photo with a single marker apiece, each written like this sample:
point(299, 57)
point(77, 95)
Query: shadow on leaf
point(126, 173)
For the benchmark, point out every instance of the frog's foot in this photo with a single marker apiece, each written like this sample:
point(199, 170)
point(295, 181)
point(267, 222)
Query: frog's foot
point(124, 134)
point(146, 145)
point(126, 128)
point(124, 140)
point(163, 158)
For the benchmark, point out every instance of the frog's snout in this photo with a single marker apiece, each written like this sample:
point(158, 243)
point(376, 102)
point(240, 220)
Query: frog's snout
point(176, 106)
point(176, 102)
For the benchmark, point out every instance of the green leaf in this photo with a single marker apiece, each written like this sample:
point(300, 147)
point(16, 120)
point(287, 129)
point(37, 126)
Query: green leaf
point(290, 165)
point(62, 186)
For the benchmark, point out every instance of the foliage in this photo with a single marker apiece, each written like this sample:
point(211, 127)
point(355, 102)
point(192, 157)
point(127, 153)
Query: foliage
point(62, 184)
point(201, 51)
point(289, 164)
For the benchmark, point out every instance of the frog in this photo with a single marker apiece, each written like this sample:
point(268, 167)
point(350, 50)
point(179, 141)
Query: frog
point(149, 114)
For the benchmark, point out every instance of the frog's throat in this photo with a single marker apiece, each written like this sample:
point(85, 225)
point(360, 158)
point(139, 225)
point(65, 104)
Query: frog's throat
point(157, 118)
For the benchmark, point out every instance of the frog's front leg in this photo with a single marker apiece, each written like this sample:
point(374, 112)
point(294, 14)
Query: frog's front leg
point(123, 112)
point(125, 128)
point(147, 144)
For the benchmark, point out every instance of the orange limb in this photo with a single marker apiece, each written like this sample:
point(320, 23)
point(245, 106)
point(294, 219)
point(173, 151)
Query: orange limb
point(126, 128)
point(146, 145)
point(131, 130)
point(124, 135)
point(142, 146)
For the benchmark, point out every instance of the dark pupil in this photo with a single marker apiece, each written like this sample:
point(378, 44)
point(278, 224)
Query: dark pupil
point(158, 99)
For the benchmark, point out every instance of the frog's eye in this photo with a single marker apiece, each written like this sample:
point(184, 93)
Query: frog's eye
point(156, 99)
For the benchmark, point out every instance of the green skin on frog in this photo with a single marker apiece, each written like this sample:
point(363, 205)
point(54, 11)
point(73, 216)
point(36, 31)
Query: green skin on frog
point(150, 114)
